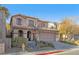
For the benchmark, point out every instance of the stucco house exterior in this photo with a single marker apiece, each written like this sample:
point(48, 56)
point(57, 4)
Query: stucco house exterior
point(32, 28)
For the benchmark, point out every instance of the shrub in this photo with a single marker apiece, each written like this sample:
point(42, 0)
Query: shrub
point(69, 42)
point(45, 44)
point(18, 41)
point(14, 42)
point(51, 45)
point(76, 42)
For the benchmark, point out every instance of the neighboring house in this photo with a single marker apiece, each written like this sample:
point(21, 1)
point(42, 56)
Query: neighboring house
point(32, 28)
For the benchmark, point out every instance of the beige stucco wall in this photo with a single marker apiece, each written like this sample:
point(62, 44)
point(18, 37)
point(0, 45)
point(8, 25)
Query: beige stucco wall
point(40, 23)
point(25, 33)
point(24, 22)
point(16, 33)
point(32, 20)
point(49, 37)
point(41, 36)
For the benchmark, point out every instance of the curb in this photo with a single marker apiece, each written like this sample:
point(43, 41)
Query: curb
point(66, 51)
point(48, 53)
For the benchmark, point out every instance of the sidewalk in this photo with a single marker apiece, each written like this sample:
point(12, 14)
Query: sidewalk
point(70, 51)
point(20, 52)
point(44, 52)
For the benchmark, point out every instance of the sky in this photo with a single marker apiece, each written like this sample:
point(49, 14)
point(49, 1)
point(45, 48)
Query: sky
point(48, 12)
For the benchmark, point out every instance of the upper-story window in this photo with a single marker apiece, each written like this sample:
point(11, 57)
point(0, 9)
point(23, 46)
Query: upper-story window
point(18, 21)
point(31, 23)
point(43, 25)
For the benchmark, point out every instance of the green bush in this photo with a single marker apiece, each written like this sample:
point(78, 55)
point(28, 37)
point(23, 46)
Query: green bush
point(18, 41)
point(76, 42)
point(68, 42)
point(14, 42)
point(51, 45)
point(44, 44)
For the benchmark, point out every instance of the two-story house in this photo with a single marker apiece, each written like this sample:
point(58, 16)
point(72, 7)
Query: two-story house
point(32, 28)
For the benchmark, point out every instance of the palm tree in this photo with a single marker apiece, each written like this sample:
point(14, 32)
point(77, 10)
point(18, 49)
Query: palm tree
point(5, 11)
point(3, 14)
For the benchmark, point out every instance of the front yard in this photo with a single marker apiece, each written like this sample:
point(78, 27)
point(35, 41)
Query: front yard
point(30, 45)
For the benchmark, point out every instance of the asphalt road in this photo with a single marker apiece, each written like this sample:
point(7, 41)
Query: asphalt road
point(74, 51)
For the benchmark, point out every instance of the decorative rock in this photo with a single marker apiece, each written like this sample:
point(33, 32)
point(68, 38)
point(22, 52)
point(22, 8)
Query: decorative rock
point(32, 44)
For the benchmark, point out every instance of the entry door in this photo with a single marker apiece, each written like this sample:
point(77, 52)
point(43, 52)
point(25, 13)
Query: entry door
point(29, 35)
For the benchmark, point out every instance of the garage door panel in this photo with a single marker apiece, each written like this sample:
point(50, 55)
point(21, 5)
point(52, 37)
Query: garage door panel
point(47, 37)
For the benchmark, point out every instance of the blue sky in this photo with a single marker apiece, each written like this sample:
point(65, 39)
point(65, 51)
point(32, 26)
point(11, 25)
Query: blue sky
point(48, 12)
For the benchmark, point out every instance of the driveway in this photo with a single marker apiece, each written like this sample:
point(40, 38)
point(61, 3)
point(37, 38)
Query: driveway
point(60, 45)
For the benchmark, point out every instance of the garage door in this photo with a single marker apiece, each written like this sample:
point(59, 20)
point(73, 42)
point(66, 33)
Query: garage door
point(49, 37)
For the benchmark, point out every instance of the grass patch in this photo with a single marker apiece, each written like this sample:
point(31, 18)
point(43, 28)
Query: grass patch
point(68, 42)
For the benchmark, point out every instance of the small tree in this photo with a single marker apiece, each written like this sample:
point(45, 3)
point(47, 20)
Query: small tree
point(65, 29)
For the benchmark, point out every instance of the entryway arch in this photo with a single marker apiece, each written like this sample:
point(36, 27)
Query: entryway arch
point(20, 33)
point(29, 35)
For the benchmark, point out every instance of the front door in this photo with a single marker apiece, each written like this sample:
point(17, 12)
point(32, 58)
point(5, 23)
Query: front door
point(29, 35)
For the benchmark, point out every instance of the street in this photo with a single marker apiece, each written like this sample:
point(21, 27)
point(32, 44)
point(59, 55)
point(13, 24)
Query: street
point(73, 51)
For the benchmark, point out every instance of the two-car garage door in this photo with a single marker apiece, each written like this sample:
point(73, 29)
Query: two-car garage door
point(47, 36)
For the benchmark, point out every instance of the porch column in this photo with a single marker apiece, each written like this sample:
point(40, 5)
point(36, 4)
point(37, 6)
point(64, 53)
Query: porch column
point(37, 36)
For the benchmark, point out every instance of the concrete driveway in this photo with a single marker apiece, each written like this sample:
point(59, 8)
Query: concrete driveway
point(60, 45)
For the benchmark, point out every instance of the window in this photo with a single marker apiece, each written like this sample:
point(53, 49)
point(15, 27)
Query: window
point(18, 21)
point(31, 23)
point(43, 25)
